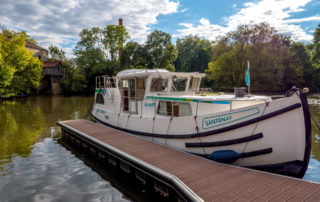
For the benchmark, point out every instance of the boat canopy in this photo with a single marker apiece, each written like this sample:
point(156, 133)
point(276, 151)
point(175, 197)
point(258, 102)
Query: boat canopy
point(155, 72)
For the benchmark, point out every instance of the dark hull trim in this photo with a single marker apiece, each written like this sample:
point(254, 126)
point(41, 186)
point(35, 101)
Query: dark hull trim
point(255, 153)
point(291, 168)
point(307, 123)
point(226, 142)
point(245, 154)
point(208, 133)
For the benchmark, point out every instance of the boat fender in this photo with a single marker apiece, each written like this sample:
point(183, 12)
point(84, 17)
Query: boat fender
point(224, 156)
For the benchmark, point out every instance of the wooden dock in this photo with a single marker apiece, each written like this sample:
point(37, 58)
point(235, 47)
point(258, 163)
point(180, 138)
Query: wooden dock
point(192, 178)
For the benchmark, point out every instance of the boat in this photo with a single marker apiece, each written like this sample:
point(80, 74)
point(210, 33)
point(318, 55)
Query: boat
point(253, 131)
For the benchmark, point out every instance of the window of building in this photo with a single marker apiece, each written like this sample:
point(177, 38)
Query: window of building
point(194, 84)
point(159, 85)
point(177, 109)
point(179, 83)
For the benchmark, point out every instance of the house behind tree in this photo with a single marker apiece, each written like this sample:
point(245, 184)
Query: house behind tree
point(51, 71)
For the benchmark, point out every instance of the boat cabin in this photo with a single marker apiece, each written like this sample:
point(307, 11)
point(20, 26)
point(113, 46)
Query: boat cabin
point(134, 86)
point(151, 93)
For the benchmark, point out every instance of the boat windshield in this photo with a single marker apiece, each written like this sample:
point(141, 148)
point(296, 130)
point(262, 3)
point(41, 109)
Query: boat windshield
point(159, 85)
point(194, 84)
point(179, 83)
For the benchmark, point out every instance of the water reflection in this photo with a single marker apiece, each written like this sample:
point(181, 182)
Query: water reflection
point(21, 124)
point(315, 112)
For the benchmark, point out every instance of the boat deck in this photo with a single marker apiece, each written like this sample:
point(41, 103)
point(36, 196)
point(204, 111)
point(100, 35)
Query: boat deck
point(200, 178)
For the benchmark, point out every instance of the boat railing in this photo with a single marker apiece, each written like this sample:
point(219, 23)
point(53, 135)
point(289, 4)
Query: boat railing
point(105, 82)
point(100, 82)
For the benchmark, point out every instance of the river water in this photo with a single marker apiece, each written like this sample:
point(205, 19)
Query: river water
point(36, 166)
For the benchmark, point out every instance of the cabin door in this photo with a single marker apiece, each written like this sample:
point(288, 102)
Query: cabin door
point(128, 95)
point(132, 96)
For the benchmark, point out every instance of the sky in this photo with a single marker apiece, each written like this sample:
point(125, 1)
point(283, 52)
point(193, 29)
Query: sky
point(59, 22)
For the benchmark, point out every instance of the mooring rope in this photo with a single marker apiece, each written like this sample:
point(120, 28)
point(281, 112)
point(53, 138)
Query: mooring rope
point(315, 122)
point(254, 130)
point(197, 128)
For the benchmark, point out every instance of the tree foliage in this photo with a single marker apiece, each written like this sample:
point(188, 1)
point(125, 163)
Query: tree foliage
point(133, 56)
point(161, 53)
point(276, 63)
point(56, 53)
point(19, 70)
point(157, 53)
point(96, 52)
point(73, 80)
point(194, 54)
point(113, 38)
point(315, 57)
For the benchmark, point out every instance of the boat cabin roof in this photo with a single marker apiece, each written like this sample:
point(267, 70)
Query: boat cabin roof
point(155, 72)
point(226, 97)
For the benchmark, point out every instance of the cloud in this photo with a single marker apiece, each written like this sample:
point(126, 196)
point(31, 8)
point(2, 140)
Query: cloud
point(278, 13)
point(59, 21)
point(308, 19)
point(184, 10)
point(204, 21)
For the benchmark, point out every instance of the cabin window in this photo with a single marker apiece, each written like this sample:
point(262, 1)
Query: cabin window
point(132, 85)
point(177, 109)
point(194, 84)
point(99, 99)
point(159, 85)
point(179, 83)
point(141, 88)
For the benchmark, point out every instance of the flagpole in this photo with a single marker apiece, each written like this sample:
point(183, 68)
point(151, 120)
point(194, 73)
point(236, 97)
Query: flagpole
point(249, 78)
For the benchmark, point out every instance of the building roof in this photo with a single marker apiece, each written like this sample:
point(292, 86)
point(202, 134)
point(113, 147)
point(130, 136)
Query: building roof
point(51, 64)
point(34, 46)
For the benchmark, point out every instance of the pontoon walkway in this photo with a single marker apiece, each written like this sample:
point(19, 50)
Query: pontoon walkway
point(191, 177)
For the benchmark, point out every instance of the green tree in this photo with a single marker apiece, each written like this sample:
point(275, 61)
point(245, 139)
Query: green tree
point(315, 57)
point(161, 53)
point(90, 57)
point(56, 53)
point(19, 70)
point(276, 63)
point(228, 69)
point(193, 54)
point(73, 80)
point(133, 56)
point(94, 49)
point(114, 36)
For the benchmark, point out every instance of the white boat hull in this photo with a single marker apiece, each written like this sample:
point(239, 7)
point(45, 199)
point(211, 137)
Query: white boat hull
point(272, 136)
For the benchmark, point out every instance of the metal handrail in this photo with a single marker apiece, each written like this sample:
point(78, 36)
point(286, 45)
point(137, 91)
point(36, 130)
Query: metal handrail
point(105, 82)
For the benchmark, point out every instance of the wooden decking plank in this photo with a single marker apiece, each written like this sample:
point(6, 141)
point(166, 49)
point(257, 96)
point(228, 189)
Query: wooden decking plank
point(224, 180)
point(209, 180)
point(277, 190)
point(238, 182)
point(303, 195)
point(284, 196)
point(314, 197)
point(262, 190)
point(217, 177)
point(241, 191)
point(204, 185)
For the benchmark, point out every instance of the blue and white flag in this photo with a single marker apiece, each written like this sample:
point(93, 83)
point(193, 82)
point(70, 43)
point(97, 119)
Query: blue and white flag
point(248, 75)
